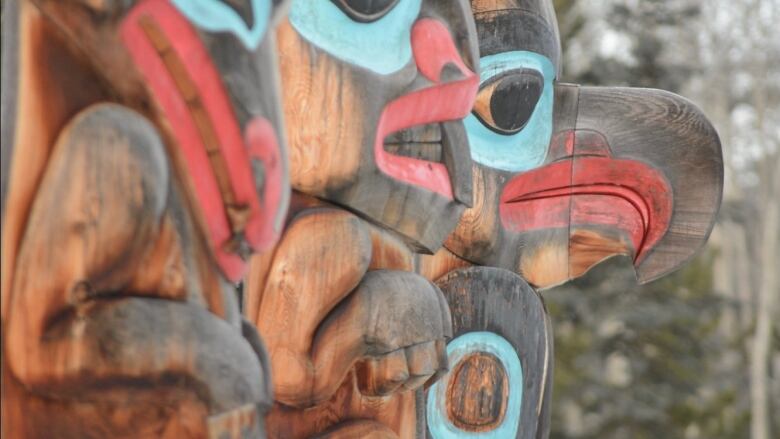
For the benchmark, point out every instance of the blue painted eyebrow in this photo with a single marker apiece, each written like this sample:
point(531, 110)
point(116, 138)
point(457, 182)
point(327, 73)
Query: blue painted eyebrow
point(382, 46)
point(215, 16)
point(527, 148)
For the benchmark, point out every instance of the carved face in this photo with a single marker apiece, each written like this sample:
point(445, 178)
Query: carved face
point(374, 93)
point(204, 71)
point(567, 176)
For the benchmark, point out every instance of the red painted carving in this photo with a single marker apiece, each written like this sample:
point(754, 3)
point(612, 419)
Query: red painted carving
point(444, 101)
point(590, 188)
point(187, 125)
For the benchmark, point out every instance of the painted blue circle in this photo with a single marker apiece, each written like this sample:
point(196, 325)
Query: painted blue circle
point(527, 148)
point(383, 46)
point(439, 423)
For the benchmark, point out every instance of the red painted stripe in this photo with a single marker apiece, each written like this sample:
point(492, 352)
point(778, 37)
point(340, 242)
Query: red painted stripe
point(187, 45)
point(264, 146)
point(433, 49)
point(624, 194)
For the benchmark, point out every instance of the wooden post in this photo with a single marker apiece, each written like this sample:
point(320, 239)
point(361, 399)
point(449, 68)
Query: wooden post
point(374, 126)
point(142, 170)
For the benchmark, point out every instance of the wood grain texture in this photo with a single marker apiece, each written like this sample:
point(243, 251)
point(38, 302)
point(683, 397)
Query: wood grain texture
point(70, 334)
point(358, 349)
point(380, 386)
point(396, 414)
point(476, 395)
point(114, 312)
point(673, 135)
point(629, 171)
point(348, 164)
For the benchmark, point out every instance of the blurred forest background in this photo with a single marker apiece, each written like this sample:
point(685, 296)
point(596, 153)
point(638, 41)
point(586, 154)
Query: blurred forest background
point(697, 354)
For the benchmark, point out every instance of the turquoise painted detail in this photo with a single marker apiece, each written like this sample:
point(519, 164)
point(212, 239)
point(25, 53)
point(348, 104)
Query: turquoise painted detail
point(383, 46)
point(439, 423)
point(526, 149)
point(215, 16)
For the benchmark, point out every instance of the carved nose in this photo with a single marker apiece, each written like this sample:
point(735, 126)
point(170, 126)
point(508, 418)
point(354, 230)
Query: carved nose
point(572, 143)
point(435, 53)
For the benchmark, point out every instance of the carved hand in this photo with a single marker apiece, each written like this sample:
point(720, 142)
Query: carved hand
point(321, 312)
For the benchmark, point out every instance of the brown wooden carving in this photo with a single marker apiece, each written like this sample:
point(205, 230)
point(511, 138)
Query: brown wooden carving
point(564, 177)
point(135, 181)
point(500, 377)
point(353, 332)
point(618, 171)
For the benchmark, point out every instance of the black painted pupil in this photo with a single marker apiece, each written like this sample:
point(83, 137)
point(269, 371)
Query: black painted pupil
point(365, 10)
point(244, 10)
point(514, 100)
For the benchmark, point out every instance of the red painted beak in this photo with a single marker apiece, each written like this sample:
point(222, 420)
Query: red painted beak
point(629, 171)
point(588, 187)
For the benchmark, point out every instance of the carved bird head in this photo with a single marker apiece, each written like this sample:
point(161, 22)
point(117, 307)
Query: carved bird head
point(566, 176)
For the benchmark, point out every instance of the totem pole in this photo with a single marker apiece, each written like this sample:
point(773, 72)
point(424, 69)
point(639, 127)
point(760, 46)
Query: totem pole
point(564, 177)
point(143, 162)
point(374, 93)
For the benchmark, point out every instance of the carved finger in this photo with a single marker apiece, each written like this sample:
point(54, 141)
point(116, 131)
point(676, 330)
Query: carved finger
point(390, 310)
point(383, 376)
point(442, 361)
point(423, 362)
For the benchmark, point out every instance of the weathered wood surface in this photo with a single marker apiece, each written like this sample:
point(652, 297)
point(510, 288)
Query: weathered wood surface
point(500, 358)
point(387, 143)
point(617, 171)
point(118, 317)
point(377, 130)
point(348, 339)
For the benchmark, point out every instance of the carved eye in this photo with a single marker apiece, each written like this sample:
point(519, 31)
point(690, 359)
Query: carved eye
point(365, 11)
point(506, 103)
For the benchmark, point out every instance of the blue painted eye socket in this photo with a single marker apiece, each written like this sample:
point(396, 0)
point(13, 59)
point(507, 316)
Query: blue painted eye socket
point(439, 423)
point(382, 46)
point(511, 125)
point(248, 23)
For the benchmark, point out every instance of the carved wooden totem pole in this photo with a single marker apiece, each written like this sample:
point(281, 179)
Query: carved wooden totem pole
point(564, 177)
point(374, 96)
point(142, 164)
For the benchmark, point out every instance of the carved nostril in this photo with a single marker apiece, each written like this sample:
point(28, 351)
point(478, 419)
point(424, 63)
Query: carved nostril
point(450, 73)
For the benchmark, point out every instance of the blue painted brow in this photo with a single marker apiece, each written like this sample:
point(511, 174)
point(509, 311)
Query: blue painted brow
point(527, 148)
point(215, 16)
point(439, 423)
point(383, 46)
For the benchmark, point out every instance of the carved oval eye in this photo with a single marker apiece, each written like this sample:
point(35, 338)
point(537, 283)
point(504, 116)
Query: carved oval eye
point(507, 102)
point(365, 11)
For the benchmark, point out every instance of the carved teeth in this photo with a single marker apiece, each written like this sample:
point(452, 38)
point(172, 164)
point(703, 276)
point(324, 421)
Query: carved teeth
point(422, 142)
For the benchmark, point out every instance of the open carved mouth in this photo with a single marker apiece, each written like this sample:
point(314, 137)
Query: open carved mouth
point(582, 191)
point(422, 142)
point(421, 139)
point(431, 156)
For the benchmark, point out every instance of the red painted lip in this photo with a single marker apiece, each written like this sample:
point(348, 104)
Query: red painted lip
point(442, 102)
point(584, 190)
